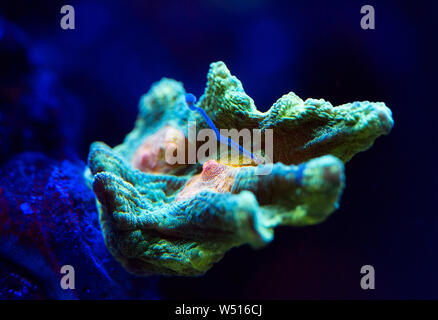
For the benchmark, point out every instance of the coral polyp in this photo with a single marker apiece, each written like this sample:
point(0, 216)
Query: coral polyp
point(161, 218)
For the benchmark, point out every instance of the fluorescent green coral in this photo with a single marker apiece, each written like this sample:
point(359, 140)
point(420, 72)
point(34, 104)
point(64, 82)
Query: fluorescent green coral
point(306, 129)
point(149, 231)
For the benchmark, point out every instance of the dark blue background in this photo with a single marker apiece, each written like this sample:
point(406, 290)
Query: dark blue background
point(388, 215)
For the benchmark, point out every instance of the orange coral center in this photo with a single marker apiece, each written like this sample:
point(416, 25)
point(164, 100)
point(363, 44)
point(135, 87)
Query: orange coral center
point(215, 177)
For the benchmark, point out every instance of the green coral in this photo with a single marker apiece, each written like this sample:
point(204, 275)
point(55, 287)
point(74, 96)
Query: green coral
point(150, 232)
point(306, 129)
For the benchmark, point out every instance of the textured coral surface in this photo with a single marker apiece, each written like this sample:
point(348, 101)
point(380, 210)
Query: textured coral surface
point(180, 219)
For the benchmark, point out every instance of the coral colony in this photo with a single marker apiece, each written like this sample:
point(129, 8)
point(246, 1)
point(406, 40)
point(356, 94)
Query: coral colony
point(172, 202)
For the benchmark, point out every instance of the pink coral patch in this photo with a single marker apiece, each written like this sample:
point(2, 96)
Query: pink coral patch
point(215, 177)
point(150, 156)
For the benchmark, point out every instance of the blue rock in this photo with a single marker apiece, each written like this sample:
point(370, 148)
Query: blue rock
point(48, 220)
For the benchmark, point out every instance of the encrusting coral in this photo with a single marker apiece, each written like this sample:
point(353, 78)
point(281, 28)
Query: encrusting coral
point(180, 218)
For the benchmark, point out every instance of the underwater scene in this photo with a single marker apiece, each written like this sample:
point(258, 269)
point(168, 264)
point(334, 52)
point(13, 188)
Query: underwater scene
point(217, 149)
